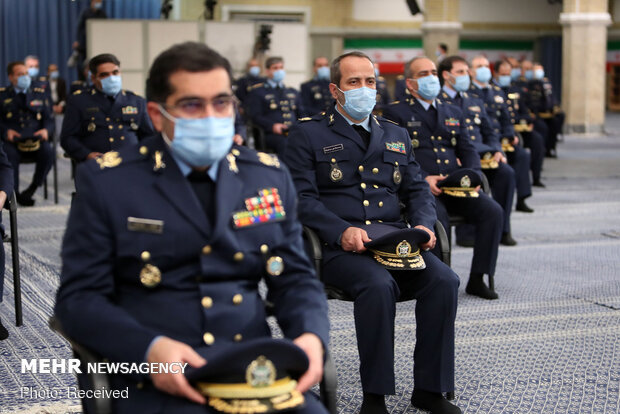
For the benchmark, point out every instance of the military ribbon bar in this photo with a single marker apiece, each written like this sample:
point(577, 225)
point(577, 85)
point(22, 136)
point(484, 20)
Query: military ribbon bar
point(396, 147)
point(266, 207)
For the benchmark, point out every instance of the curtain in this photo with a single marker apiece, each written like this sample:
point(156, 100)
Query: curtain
point(46, 28)
point(551, 59)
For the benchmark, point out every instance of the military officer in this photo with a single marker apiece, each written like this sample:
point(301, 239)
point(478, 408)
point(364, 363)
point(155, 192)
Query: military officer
point(439, 134)
point(523, 82)
point(32, 65)
point(400, 89)
point(383, 94)
point(251, 78)
point(103, 118)
point(26, 126)
point(453, 75)
point(521, 119)
point(497, 110)
point(351, 170)
point(545, 106)
point(315, 95)
point(274, 107)
point(167, 247)
point(6, 188)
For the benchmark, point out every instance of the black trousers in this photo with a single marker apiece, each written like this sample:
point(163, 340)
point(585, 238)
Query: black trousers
point(43, 157)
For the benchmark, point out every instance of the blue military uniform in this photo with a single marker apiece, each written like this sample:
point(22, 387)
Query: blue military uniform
point(95, 122)
point(540, 125)
point(344, 181)
point(522, 122)
point(501, 123)
point(27, 113)
point(383, 95)
point(401, 92)
point(244, 84)
point(268, 104)
point(147, 254)
point(440, 136)
point(315, 96)
point(543, 104)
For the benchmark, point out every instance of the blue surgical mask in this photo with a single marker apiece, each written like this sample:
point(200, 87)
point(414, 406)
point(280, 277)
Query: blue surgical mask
point(515, 73)
point(428, 87)
point(98, 6)
point(539, 74)
point(33, 72)
point(461, 83)
point(200, 142)
point(278, 75)
point(254, 71)
point(437, 53)
point(360, 102)
point(54, 74)
point(529, 74)
point(504, 80)
point(111, 85)
point(483, 74)
point(323, 73)
point(23, 82)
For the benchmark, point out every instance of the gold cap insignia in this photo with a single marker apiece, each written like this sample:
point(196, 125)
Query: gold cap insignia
point(109, 160)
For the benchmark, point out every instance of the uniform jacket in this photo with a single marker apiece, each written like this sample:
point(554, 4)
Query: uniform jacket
point(95, 123)
point(541, 95)
point(208, 292)
point(436, 149)
point(315, 96)
point(266, 106)
point(383, 94)
point(25, 115)
point(478, 123)
point(342, 183)
point(517, 106)
point(496, 107)
point(243, 84)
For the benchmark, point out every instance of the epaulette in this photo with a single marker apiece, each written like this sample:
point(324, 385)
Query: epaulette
point(497, 88)
point(465, 95)
point(256, 85)
point(77, 92)
point(270, 160)
point(389, 120)
point(399, 77)
point(3, 88)
point(304, 119)
point(394, 103)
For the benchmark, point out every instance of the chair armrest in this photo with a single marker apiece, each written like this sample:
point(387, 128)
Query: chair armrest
point(444, 243)
point(314, 249)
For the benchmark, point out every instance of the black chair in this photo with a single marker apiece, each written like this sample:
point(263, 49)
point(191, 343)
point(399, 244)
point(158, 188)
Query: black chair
point(11, 205)
point(29, 160)
point(314, 250)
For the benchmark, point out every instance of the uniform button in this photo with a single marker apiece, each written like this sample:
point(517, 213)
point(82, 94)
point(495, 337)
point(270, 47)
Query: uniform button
point(238, 257)
point(367, 221)
point(433, 137)
point(111, 139)
point(375, 171)
point(110, 127)
point(375, 186)
point(473, 137)
point(447, 161)
point(144, 150)
point(380, 203)
point(206, 302)
point(439, 138)
point(264, 248)
point(145, 256)
point(122, 138)
point(238, 338)
point(443, 150)
point(361, 168)
point(107, 119)
point(363, 185)
point(366, 203)
point(208, 338)
point(120, 127)
point(396, 163)
point(333, 160)
point(206, 249)
point(237, 299)
point(438, 161)
point(435, 149)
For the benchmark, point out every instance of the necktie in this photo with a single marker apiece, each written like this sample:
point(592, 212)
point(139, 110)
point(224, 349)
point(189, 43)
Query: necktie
point(431, 115)
point(457, 99)
point(204, 188)
point(365, 135)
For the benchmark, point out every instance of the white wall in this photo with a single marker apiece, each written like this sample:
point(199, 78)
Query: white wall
point(509, 11)
point(385, 10)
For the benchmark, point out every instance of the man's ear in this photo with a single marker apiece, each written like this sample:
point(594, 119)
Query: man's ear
point(412, 84)
point(333, 89)
point(156, 117)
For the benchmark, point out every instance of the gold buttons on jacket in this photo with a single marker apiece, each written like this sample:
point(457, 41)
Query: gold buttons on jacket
point(375, 170)
point(435, 149)
point(238, 257)
point(150, 276)
point(438, 161)
point(238, 338)
point(380, 203)
point(237, 299)
point(206, 302)
point(366, 203)
point(375, 186)
point(367, 221)
point(207, 249)
point(264, 249)
point(361, 168)
point(363, 185)
point(144, 150)
point(111, 139)
point(208, 338)
point(145, 256)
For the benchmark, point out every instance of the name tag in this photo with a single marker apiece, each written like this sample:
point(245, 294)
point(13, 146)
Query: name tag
point(414, 123)
point(333, 148)
point(145, 225)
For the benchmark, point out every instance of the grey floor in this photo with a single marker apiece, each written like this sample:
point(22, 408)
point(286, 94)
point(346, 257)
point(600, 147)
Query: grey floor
point(551, 343)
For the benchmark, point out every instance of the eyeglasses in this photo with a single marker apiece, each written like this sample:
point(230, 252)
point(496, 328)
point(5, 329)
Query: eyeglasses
point(193, 107)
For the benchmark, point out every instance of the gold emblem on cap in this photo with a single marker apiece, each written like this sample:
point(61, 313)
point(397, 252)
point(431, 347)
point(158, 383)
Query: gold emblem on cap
point(150, 276)
point(91, 127)
point(109, 160)
point(260, 373)
point(403, 249)
point(465, 181)
point(275, 266)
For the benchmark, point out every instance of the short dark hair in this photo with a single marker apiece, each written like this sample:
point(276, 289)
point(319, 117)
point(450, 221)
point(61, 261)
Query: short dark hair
point(190, 57)
point(334, 72)
point(9, 68)
point(500, 63)
point(408, 64)
point(272, 61)
point(447, 64)
point(100, 60)
point(443, 47)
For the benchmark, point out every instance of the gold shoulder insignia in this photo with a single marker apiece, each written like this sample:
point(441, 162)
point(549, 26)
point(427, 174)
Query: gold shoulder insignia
point(256, 85)
point(109, 160)
point(496, 87)
point(77, 92)
point(93, 91)
point(2, 89)
point(305, 118)
point(465, 95)
point(376, 120)
point(438, 100)
point(389, 120)
point(268, 159)
point(232, 161)
point(394, 103)
point(159, 163)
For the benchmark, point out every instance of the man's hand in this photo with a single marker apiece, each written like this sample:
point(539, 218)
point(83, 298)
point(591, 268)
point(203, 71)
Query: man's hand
point(279, 129)
point(432, 181)
point(238, 139)
point(168, 350)
point(353, 239)
point(515, 140)
point(42, 133)
point(499, 157)
point(2, 199)
point(430, 244)
point(312, 346)
point(11, 134)
point(94, 155)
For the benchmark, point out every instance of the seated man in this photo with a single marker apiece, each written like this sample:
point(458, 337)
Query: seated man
point(163, 255)
point(272, 106)
point(545, 105)
point(106, 117)
point(315, 95)
point(26, 126)
point(440, 138)
point(352, 169)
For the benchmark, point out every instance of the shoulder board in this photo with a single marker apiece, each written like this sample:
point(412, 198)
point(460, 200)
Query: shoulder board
point(256, 85)
point(128, 92)
point(2, 89)
point(465, 95)
point(399, 77)
point(497, 88)
point(304, 119)
point(438, 100)
point(394, 103)
point(77, 92)
point(270, 160)
point(388, 120)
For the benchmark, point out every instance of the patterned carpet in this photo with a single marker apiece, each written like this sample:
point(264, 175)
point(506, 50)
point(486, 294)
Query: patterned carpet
point(550, 344)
